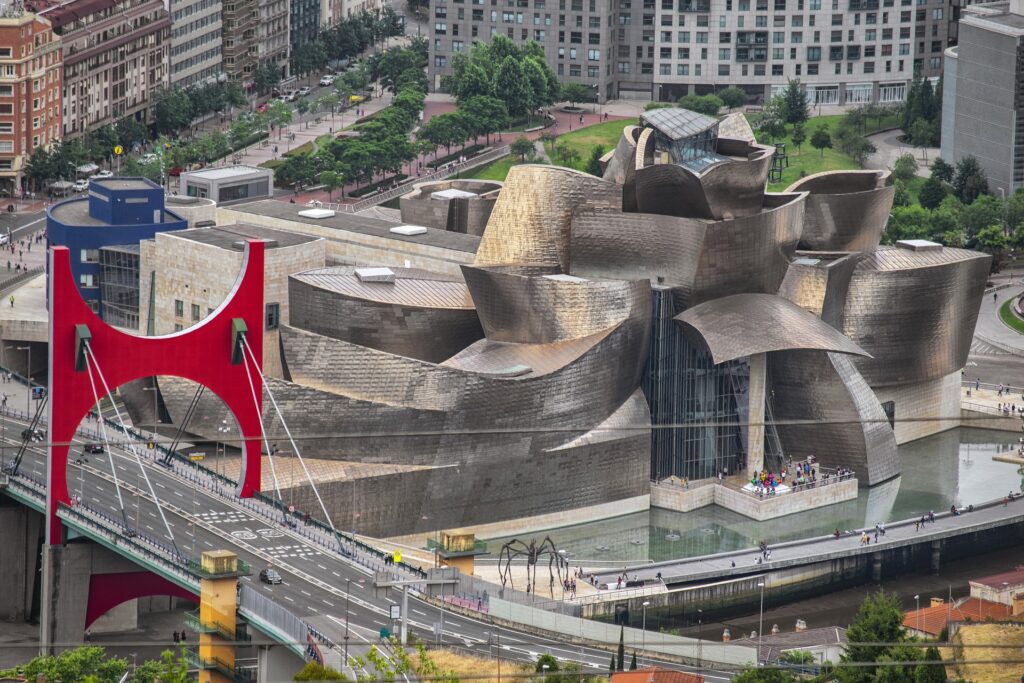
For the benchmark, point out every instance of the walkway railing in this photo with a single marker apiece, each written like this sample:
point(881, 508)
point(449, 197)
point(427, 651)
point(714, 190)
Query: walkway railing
point(406, 186)
point(824, 480)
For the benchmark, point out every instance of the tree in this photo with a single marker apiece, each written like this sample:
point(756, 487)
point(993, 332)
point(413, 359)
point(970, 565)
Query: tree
point(860, 148)
point(985, 211)
point(942, 171)
point(522, 148)
point(266, 77)
point(799, 135)
point(821, 140)
point(879, 620)
point(546, 662)
point(702, 104)
point(969, 182)
point(992, 239)
point(315, 672)
point(764, 676)
point(512, 86)
point(922, 133)
point(905, 168)
point(303, 106)
point(1013, 210)
point(932, 193)
point(593, 166)
point(573, 92)
point(930, 670)
point(622, 648)
point(567, 155)
point(632, 662)
point(77, 664)
point(172, 110)
point(489, 113)
point(795, 102)
point(901, 197)
point(331, 182)
point(611, 666)
point(896, 665)
point(732, 97)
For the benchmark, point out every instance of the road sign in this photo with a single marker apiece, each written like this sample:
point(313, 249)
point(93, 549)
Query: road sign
point(197, 456)
point(396, 612)
point(118, 150)
point(397, 556)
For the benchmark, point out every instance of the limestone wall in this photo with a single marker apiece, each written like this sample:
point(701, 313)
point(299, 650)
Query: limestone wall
point(682, 499)
point(938, 398)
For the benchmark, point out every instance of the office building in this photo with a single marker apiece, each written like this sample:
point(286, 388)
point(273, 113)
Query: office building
point(272, 33)
point(240, 46)
point(30, 94)
point(115, 56)
point(843, 51)
point(304, 22)
point(196, 45)
point(982, 99)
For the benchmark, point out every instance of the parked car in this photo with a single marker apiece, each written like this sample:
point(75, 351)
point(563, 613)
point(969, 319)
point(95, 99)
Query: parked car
point(92, 448)
point(292, 95)
point(261, 107)
point(304, 91)
point(270, 576)
point(80, 185)
point(148, 158)
point(275, 92)
point(32, 435)
point(103, 174)
point(326, 80)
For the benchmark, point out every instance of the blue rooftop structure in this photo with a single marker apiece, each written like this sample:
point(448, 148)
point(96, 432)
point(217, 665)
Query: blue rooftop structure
point(116, 211)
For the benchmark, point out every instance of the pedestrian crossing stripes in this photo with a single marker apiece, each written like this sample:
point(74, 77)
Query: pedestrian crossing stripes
point(296, 550)
point(221, 516)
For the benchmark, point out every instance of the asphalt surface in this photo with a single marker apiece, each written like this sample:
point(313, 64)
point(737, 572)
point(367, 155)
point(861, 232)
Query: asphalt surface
point(318, 585)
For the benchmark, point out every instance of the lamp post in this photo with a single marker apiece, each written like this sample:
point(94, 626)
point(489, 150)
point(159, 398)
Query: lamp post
point(155, 413)
point(643, 637)
point(348, 588)
point(760, 623)
point(222, 431)
point(700, 641)
point(917, 602)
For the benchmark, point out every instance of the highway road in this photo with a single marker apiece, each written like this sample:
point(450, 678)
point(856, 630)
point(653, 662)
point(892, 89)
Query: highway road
point(318, 585)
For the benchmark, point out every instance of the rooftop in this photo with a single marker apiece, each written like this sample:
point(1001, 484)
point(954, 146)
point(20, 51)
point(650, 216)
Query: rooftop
point(75, 212)
point(1012, 578)
point(677, 123)
point(362, 225)
point(932, 620)
point(654, 674)
point(996, 16)
point(887, 258)
point(125, 183)
point(222, 172)
point(410, 287)
point(233, 237)
point(774, 644)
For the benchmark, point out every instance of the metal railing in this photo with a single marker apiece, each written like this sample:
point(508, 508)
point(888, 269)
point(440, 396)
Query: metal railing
point(195, 623)
point(991, 410)
point(407, 185)
point(828, 479)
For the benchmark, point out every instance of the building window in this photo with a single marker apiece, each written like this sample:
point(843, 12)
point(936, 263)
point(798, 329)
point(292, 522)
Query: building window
point(178, 327)
point(273, 316)
point(90, 255)
point(87, 280)
point(179, 308)
point(196, 313)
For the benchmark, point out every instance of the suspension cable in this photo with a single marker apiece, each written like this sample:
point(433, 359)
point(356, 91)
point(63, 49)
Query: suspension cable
point(288, 432)
point(106, 441)
point(131, 448)
point(263, 431)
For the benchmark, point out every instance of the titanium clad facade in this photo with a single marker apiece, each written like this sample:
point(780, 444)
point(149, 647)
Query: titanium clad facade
point(844, 210)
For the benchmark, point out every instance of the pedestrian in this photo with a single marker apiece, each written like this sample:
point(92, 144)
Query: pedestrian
point(917, 526)
point(12, 301)
point(176, 637)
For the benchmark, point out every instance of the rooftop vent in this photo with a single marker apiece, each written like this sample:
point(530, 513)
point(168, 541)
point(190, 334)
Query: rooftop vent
point(317, 213)
point(409, 230)
point(375, 274)
point(919, 245)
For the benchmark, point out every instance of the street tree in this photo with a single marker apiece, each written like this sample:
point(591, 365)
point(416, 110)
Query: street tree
point(732, 97)
point(969, 181)
point(513, 87)
point(794, 101)
point(331, 182)
point(172, 110)
point(265, 77)
point(709, 105)
point(879, 620)
point(490, 114)
point(922, 133)
point(799, 136)
point(821, 140)
point(942, 171)
point(522, 148)
point(594, 162)
point(932, 193)
point(573, 93)
point(905, 168)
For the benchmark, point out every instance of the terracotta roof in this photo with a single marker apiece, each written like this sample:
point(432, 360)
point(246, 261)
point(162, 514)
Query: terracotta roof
point(1014, 578)
point(654, 674)
point(932, 620)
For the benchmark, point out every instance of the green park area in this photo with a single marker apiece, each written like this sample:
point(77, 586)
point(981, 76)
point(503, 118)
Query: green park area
point(1007, 315)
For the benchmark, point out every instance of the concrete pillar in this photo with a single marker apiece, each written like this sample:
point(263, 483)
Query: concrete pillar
point(755, 415)
point(876, 567)
point(277, 663)
point(20, 534)
point(936, 556)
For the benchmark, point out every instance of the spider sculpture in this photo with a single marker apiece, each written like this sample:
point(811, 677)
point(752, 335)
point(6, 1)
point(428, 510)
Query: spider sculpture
point(516, 549)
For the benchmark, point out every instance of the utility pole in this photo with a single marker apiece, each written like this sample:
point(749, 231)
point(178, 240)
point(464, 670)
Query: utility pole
point(385, 580)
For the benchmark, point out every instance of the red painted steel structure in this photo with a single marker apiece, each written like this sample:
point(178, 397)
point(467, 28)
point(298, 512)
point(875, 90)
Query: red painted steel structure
point(107, 591)
point(202, 353)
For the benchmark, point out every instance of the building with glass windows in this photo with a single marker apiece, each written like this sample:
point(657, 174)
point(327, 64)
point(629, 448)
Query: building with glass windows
point(843, 51)
point(229, 184)
point(116, 211)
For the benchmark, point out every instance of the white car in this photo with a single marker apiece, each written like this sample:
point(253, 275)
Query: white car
point(148, 158)
point(103, 174)
point(304, 91)
point(80, 185)
point(326, 80)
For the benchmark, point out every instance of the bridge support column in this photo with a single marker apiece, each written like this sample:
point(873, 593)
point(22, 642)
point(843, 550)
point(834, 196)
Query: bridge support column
point(277, 663)
point(20, 538)
point(755, 414)
point(876, 567)
point(936, 556)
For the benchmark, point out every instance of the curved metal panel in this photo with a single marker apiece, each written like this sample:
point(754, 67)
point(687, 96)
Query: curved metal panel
point(824, 407)
point(747, 324)
point(466, 215)
point(819, 282)
point(530, 221)
point(914, 312)
point(420, 318)
point(621, 166)
point(846, 210)
point(539, 310)
point(729, 189)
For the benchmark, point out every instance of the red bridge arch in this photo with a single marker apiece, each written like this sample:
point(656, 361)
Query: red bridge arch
point(202, 353)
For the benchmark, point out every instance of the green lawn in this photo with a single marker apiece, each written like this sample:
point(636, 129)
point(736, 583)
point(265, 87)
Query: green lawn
point(1008, 316)
point(584, 140)
point(496, 170)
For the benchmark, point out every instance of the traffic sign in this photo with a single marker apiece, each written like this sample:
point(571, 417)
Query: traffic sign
point(397, 556)
point(396, 612)
point(118, 150)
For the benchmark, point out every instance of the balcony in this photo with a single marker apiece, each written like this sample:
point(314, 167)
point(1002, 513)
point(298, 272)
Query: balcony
point(233, 673)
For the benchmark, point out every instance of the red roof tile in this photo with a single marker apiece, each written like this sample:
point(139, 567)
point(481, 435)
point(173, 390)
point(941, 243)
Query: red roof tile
point(654, 674)
point(1014, 578)
point(932, 620)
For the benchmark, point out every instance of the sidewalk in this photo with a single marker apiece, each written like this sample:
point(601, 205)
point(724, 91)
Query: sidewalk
point(991, 329)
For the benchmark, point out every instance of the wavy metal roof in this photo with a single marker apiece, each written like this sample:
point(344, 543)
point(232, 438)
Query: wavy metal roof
point(410, 288)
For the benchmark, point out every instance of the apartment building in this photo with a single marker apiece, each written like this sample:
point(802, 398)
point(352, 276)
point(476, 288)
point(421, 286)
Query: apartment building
point(272, 33)
point(241, 47)
point(844, 51)
point(115, 55)
point(30, 91)
point(304, 22)
point(196, 27)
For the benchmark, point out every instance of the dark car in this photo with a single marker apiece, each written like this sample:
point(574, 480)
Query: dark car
point(93, 448)
point(270, 576)
point(32, 435)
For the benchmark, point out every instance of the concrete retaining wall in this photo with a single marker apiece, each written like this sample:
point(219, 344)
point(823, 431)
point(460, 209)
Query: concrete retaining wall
point(682, 499)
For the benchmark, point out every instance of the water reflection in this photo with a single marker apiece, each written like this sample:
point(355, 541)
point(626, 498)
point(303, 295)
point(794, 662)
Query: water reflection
point(953, 467)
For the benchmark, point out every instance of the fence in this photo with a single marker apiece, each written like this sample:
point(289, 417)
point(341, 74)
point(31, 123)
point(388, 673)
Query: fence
point(404, 188)
point(12, 282)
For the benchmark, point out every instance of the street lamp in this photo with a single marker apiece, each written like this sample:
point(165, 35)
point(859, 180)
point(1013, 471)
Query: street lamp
point(222, 431)
point(760, 623)
point(155, 391)
point(700, 641)
point(643, 641)
point(917, 602)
